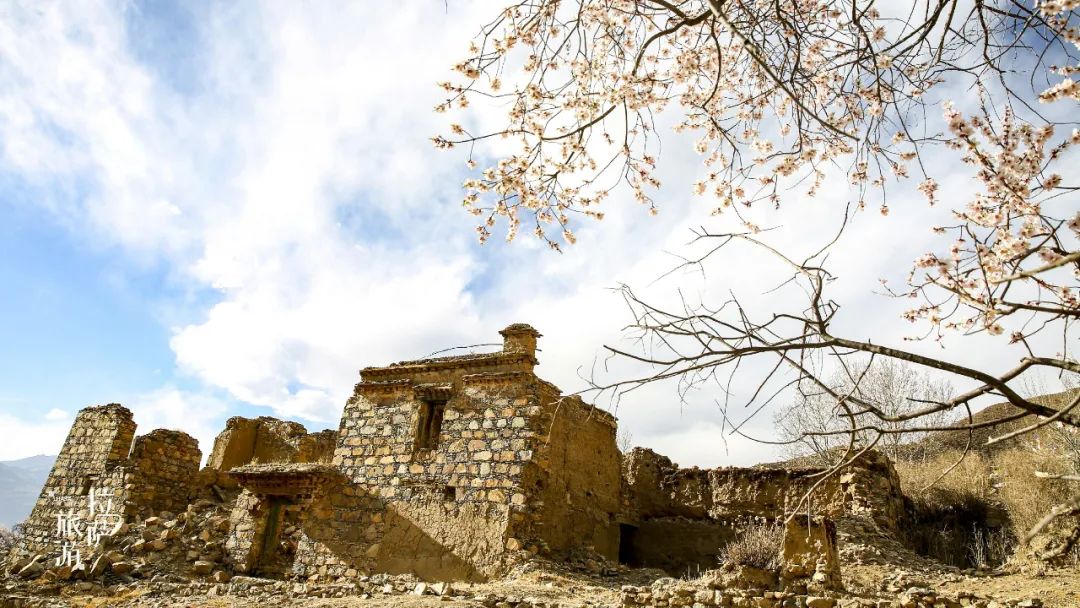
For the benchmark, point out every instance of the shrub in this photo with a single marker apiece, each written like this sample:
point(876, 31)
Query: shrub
point(757, 545)
point(975, 514)
point(959, 520)
point(8, 540)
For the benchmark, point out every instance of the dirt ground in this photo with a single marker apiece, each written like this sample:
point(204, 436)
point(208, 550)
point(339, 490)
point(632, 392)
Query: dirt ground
point(1055, 587)
point(1058, 588)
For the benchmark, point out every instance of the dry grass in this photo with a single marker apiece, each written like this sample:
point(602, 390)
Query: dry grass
point(1026, 497)
point(968, 480)
point(756, 545)
point(974, 515)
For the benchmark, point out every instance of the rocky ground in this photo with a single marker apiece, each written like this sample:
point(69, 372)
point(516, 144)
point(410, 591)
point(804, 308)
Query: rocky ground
point(544, 585)
point(543, 588)
point(176, 560)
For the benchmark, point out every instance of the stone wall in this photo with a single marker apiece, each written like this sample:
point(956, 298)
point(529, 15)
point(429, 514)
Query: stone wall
point(162, 469)
point(447, 509)
point(510, 468)
point(102, 477)
point(94, 452)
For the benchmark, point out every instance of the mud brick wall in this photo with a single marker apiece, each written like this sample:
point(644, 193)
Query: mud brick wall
point(655, 487)
point(576, 491)
point(679, 519)
point(266, 439)
point(162, 470)
point(93, 456)
point(811, 561)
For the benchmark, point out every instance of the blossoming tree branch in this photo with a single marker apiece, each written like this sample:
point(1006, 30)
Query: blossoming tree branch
point(778, 96)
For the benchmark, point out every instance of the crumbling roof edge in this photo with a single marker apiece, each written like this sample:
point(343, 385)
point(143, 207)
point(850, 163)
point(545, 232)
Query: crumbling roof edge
point(439, 363)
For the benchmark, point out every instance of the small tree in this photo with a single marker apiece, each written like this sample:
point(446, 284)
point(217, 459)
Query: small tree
point(8, 540)
point(1063, 438)
point(812, 423)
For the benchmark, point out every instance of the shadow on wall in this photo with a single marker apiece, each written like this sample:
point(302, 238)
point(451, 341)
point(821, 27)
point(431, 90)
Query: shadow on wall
point(350, 528)
point(677, 545)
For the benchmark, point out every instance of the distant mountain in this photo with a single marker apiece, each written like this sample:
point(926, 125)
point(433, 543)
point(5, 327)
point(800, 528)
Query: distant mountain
point(20, 483)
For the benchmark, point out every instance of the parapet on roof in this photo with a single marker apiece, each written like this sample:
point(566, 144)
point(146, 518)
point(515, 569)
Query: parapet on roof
point(519, 349)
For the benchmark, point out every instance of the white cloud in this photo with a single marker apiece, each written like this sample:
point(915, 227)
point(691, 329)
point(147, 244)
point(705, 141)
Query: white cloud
point(24, 437)
point(197, 414)
point(57, 414)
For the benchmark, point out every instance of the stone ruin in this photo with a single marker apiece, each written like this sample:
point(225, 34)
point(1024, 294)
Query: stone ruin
point(449, 468)
point(104, 475)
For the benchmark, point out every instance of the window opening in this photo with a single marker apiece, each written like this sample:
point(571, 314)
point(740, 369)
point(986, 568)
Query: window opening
point(429, 425)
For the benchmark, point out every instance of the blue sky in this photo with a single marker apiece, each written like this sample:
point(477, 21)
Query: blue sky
point(159, 210)
point(217, 209)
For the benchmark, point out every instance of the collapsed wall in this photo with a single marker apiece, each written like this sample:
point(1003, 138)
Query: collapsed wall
point(104, 475)
point(677, 519)
point(92, 458)
point(266, 440)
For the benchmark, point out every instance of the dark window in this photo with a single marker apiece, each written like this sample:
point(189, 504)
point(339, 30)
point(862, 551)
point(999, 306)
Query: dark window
point(449, 493)
point(430, 424)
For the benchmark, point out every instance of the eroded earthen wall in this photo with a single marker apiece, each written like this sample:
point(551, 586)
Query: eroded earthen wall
point(578, 488)
point(665, 506)
point(655, 487)
point(266, 440)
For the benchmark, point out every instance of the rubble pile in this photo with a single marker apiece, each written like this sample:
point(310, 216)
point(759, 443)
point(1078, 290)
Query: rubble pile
point(862, 541)
point(188, 545)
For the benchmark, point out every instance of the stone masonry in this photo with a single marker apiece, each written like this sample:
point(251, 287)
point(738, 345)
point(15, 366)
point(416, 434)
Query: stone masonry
point(447, 468)
point(95, 450)
point(163, 464)
point(454, 467)
point(104, 475)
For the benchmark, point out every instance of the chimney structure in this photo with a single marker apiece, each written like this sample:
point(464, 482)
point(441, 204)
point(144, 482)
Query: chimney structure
point(520, 338)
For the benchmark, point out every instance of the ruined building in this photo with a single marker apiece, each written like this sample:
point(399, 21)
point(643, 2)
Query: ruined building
point(446, 467)
point(450, 468)
point(103, 474)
